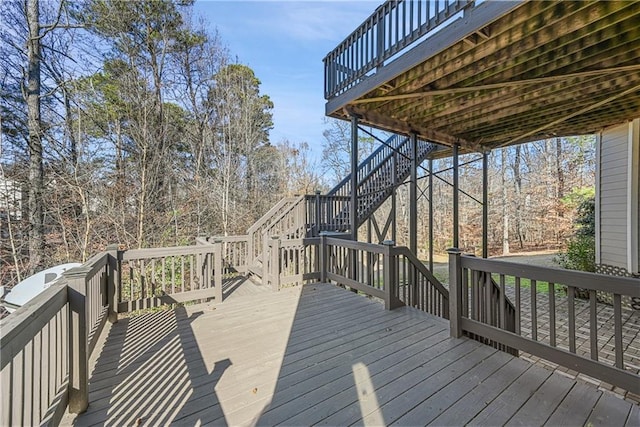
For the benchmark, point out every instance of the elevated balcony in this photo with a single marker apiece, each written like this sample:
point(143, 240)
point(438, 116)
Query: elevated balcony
point(486, 74)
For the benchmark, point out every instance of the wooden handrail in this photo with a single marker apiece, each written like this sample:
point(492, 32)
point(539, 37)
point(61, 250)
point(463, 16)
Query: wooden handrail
point(475, 316)
point(403, 250)
point(394, 26)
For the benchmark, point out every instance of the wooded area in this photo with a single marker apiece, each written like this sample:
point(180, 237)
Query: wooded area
point(131, 123)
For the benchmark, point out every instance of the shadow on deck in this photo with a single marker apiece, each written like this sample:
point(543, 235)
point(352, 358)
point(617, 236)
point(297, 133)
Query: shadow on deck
point(320, 355)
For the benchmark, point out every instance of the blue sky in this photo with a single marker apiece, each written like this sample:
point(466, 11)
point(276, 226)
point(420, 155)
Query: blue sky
point(284, 42)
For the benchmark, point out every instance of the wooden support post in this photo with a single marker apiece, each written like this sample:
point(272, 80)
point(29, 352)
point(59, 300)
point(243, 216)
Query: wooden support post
point(485, 204)
point(431, 215)
point(354, 179)
point(413, 196)
point(455, 197)
point(217, 270)
point(275, 263)
point(455, 292)
point(390, 277)
point(394, 180)
point(78, 341)
point(114, 282)
point(322, 250)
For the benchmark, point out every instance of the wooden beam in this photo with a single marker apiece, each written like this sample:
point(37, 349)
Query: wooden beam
point(526, 57)
point(521, 107)
point(389, 123)
point(577, 113)
point(569, 54)
point(501, 85)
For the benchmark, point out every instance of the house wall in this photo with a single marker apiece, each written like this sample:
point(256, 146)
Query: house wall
point(617, 195)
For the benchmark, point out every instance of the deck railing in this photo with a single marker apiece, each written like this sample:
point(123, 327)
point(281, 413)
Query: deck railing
point(391, 28)
point(386, 271)
point(45, 345)
point(565, 330)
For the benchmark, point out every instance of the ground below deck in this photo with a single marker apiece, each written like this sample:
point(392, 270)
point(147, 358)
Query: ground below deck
point(322, 355)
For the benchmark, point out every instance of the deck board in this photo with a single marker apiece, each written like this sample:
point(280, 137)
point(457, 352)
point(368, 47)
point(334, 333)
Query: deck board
point(319, 355)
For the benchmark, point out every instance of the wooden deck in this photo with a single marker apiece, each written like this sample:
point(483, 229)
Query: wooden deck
point(322, 355)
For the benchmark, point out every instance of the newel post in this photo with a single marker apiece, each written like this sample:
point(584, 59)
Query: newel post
point(113, 282)
point(78, 340)
point(217, 269)
point(275, 263)
point(455, 291)
point(390, 277)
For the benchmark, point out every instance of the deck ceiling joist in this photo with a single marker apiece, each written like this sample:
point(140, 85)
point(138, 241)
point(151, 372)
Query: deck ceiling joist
point(543, 69)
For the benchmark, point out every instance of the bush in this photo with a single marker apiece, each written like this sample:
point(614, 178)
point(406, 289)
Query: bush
point(581, 250)
point(580, 254)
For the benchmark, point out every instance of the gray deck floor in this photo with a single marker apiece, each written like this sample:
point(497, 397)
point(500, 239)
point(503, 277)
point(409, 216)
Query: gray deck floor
point(321, 355)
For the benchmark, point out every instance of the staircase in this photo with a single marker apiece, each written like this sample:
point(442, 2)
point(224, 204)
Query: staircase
point(306, 216)
point(387, 167)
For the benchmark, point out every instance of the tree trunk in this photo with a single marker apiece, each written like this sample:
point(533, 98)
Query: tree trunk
point(36, 169)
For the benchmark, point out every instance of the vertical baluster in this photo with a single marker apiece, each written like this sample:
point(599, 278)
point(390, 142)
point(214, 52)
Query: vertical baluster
point(552, 314)
point(518, 305)
point(164, 269)
point(474, 295)
point(571, 292)
point(27, 384)
point(131, 280)
point(45, 368)
point(18, 396)
point(534, 311)
point(192, 258)
point(617, 321)
point(37, 376)
point(465, 289)
point(153, 277)
point(173, 273)
point(488, 303)
point(143, 283)
point(182, 272)
point(593, 324)
point(503, 322)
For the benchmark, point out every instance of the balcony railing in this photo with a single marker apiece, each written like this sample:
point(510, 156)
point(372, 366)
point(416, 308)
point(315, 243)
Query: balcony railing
point(391, 28)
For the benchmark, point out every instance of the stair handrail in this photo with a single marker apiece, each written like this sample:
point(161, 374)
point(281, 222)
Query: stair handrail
point(413, 259)
point(387, 145)
point(268, 216)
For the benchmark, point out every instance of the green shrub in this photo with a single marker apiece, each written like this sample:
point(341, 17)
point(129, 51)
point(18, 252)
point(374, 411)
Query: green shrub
point(580, 254)
point(581, 250)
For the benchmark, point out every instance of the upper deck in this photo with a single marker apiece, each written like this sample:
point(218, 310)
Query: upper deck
point(489, 74)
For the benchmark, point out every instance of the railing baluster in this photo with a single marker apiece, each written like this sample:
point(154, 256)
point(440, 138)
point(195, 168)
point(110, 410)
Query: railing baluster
point(182, 272)
point(617, 321)
point(534, 310)
point(571, 292)
point(488, 288)
point(131, 281)
point(593, 324)
point(518, 306)
point(503, 322)
point(552, 314)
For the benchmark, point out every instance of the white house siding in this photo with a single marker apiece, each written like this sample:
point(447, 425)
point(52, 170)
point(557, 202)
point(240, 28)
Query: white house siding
point(617, 187)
